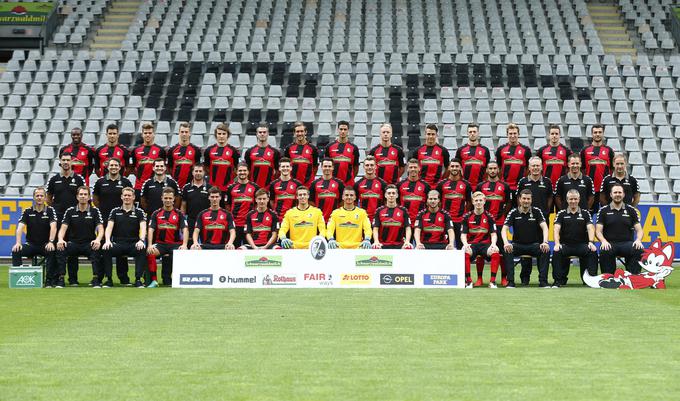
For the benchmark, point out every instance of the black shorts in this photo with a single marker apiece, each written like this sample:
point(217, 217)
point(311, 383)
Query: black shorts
point(480, 250)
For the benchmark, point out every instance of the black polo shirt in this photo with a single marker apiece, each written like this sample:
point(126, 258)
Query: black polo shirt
point(82, 224)
point(126, 224)
point(630, 187)
point(196, 197)
point(64, 191)
point(152, 191)
point(108, 193)
point(618, 225)
point(573, 226)
point(38, 224)
point(526, 227)
point(541, 192)
point(583, 184)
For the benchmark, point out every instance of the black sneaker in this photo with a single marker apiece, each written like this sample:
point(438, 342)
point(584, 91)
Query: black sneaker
point(108, 284)
point(138, 284)
point(511, 284)
point(525, 283)
point(48, 284)
point(556, 285)
point(74, 284)
point(96, 284)
point(59, 284)
point(544, 285)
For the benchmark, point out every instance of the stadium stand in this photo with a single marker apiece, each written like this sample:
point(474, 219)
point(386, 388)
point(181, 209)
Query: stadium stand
point(532, 62)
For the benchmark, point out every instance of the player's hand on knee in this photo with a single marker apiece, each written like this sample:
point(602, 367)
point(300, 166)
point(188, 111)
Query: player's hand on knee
point(17, 247)
point(196, 246)
point(365, 244)
point(49, 247)
point(377, 245)
point(333, 244)
point(407, 245)
point(508, 247)
point(286, 243)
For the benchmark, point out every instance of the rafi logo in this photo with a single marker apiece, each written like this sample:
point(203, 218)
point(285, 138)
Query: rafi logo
point(318, 247)
point(276, 279)
point(440, 279)
point(373, 261)
point(397, 279)
point(263, 261)
point(195, 279)
point(26, 280)
point(355, 278)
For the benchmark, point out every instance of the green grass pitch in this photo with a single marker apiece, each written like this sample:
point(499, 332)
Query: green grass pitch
point(571, 343)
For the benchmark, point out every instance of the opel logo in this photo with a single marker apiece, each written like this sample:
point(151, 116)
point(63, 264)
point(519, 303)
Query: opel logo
point(387, 279)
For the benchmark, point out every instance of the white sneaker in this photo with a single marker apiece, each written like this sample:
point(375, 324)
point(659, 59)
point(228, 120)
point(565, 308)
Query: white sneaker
point(469, 285)
point(492, 285)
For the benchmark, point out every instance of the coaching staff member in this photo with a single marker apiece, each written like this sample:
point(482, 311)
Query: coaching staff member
point(84, 227)
point(574, 235)
point(124, 236)
point(530, 237)
point(195, 196)
point(40, 222)
point(615, 224)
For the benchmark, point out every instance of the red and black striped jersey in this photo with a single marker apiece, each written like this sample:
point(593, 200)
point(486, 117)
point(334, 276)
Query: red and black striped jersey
point(260, 225)
point(498, 195)
point(413, 196)
point(220, 162)
point(434, 226)
point(478, 227)
point(555, 161)
point(181, 159)
point(388, 160)
point(241, 199)
point(391, 223)
point(597, 163)
point(473, 161)
point(370, 194)
point(83, 159)
point(345, 161)
point(142, 160)
point(283, 195)
point(304, 161)
point(263, 162)
point(168, 226)
point(455, 197)
point(434, 160)
point(513, 161)
point(326, 195)
point(105, 152)
point(214, 226)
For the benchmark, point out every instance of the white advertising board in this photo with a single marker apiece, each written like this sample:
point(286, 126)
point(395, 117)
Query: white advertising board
point(338, 268)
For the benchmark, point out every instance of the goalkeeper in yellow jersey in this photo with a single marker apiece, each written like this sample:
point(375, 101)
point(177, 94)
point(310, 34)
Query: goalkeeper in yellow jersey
point(301, 223)
point(348, 226)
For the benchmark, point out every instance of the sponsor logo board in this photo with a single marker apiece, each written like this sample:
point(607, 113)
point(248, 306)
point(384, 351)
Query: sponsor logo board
point(440, 279)
point(276, 279)
point(373, 261)
point(397, 279)
point(195, 279)
point(355, 278)
point(263, 261)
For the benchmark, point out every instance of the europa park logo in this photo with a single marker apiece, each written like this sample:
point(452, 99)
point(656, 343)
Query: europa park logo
point(373, 261)
point(264, 261)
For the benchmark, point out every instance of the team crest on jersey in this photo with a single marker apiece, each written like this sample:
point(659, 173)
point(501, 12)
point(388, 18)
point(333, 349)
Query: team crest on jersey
point(440, 219)
point(266, 218)
point(392, 153)
point(189, 152)
point(174, 217)
point(398, 214)
point(333, 185)
point(419, 188)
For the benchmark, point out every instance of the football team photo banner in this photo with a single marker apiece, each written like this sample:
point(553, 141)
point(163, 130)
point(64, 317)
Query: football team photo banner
point(299, 268)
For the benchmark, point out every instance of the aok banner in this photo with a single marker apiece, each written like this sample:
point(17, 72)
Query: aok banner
point(338, 268)
point(25, 13)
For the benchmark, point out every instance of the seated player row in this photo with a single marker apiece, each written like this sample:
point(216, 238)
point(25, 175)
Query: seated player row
point(82, 232)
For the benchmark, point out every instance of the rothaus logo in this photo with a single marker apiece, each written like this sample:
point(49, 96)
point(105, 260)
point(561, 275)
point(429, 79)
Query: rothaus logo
point(196, 279)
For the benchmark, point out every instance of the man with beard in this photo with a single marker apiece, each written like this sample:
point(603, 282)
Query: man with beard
point(616, 224)
point(143, 158)
point(433, 226)
point(220, 159)
point(413, 190)
point(457, 195)
point(554, 156)
point(304, 157)
point(240, 200)
point(473, 157)
point(326, 191)
point(574, 179)
point(84, 157)
point(345, 156)
point(112, 148)
point(433, 158)
point(597, 160)
point(370, 189)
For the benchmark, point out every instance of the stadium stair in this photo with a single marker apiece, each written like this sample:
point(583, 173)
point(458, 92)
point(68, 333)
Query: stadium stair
point(115, 25)
point(610, 27)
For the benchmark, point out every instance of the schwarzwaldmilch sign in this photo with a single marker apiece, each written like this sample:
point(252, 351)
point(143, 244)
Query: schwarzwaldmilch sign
point(25, 13)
